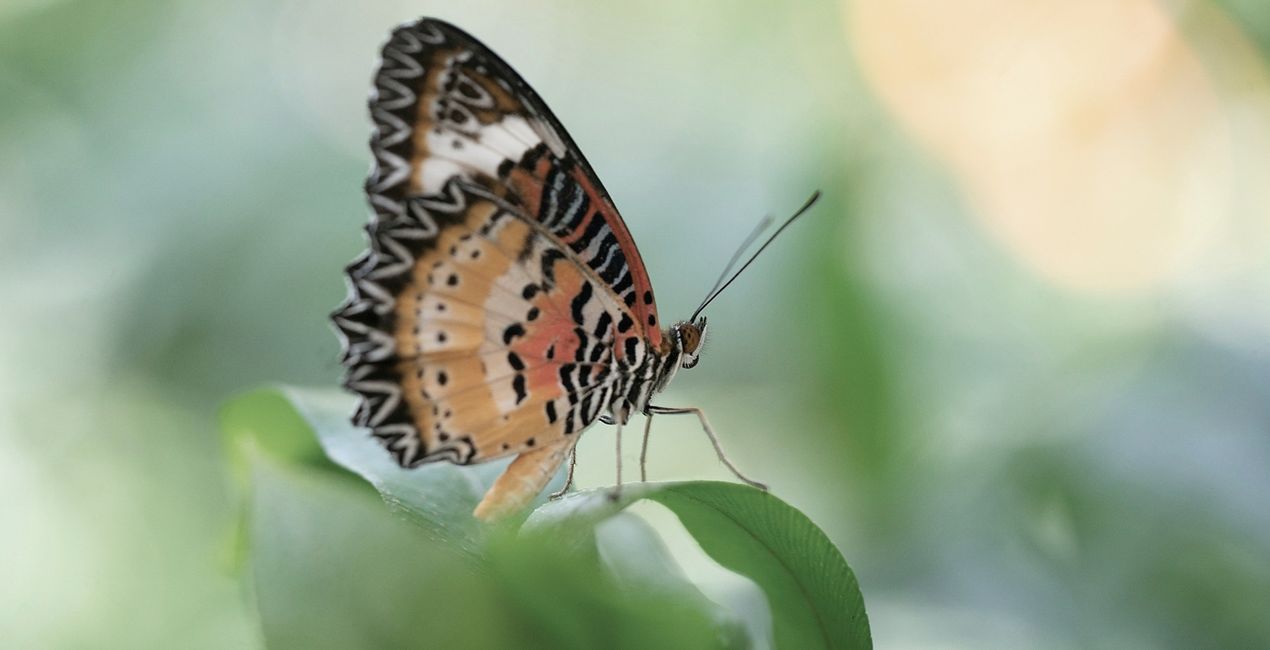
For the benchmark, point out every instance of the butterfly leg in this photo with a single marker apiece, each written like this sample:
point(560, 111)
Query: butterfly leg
point(714, 440)
point(568, 480)
point(617, 489)
point(643, 449)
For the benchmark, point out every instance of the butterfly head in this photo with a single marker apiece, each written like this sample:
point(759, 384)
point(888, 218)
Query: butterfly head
point(688, 337)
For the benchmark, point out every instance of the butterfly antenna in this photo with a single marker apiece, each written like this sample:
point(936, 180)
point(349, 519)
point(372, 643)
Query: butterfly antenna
point(749, 239)
point(718, 289)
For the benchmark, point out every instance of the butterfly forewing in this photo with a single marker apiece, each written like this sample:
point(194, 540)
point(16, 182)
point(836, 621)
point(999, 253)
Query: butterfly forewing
point(446, 106)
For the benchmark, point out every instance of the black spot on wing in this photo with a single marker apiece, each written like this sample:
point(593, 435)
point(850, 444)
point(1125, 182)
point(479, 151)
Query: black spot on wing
point(549, 259)
point(602, 325)
point(580, 353)
point(518, 385)
point(580, 301)
point(512, 332)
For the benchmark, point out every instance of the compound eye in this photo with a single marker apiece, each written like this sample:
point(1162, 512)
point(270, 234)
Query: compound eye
point(691, 337)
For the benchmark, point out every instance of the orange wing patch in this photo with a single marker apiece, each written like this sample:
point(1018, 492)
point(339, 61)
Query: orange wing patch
point(482, 336)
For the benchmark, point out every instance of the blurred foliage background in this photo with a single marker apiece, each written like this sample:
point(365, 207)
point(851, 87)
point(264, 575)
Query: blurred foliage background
point(1015, 363)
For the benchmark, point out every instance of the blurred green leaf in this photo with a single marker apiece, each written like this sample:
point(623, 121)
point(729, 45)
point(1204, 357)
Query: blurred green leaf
point(332, 570)
point(439, 497)
point(813, 595)
point(567, 586)
point(562, 599)
point(264, 423)
point(311, 427)
point(634, 555)
point(266, 420)
point(304, 521)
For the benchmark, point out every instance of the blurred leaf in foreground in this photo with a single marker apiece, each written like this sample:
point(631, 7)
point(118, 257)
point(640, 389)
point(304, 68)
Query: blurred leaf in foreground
point(812, 593)
point(331, 570)
point(581, 572)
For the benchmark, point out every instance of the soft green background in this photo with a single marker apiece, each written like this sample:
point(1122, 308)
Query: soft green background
point(1005, 459)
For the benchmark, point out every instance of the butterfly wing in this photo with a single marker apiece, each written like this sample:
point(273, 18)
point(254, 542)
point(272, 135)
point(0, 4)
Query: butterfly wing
point(482, 321)
point(446, 106)
point(501, 338)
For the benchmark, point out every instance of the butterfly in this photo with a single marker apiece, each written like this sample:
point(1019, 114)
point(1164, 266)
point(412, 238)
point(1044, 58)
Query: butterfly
point(502, 306)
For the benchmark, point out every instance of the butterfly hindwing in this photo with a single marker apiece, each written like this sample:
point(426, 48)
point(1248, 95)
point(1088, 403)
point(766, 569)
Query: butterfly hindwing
point(500, 338)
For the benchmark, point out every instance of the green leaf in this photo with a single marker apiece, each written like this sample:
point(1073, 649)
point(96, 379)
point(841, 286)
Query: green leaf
point(813, 595)
point(565, 600)
point(331, 569)
point(581, 573)
point(636, 557)
point(265, 421)
point(311, 427)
